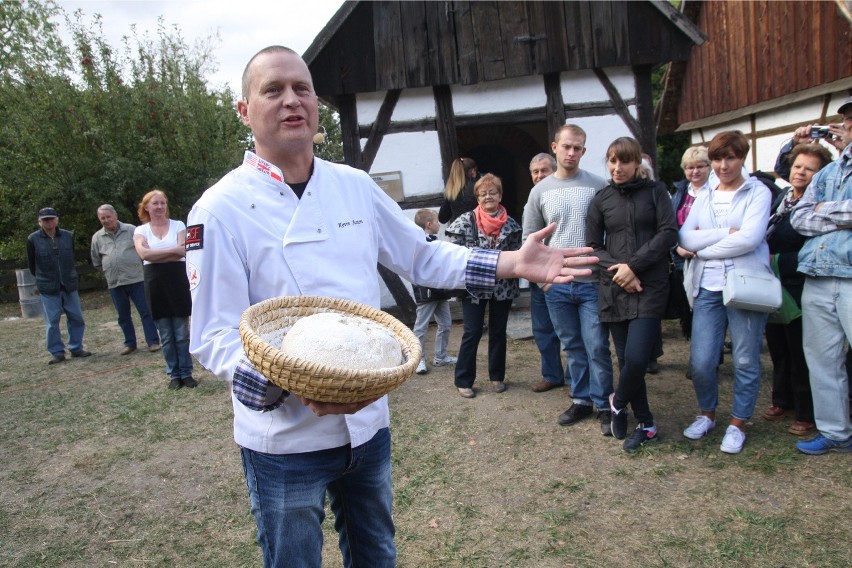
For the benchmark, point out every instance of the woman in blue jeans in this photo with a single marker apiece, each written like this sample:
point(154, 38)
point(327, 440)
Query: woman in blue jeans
point(488, 227)
point(160, 245)
point(631, 225)
point(726, 229)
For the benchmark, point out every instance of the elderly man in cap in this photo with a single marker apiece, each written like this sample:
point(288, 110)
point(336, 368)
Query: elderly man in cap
point(50, 254)
point(114, 253)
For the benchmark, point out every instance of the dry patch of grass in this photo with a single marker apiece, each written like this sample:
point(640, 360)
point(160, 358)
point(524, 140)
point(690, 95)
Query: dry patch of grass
point(102, 466)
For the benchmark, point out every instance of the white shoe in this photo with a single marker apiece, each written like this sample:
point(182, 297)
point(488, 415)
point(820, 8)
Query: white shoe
point(733, 441)
point(699, 428)
point(421, 368)
point(446, 360)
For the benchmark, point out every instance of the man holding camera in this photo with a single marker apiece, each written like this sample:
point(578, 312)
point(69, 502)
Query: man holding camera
point(824, 214)
point(835, 134)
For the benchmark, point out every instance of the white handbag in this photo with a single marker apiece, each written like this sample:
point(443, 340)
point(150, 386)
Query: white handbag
point(755, 290)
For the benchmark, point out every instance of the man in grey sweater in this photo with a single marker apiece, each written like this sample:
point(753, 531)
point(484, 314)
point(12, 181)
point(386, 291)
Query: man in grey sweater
point(564, 198)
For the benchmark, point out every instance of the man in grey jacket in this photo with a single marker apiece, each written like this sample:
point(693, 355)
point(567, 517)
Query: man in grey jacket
point(564, 198)
point(115, 255)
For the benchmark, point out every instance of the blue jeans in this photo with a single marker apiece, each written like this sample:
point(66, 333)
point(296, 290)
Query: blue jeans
point(545, 338)
point(121, 298)
point(52, 306)
point(827, 326)
point(440, 310)
point(573, 310)
point(174, 339)
point(287, 494)
point(474, 319)
point(746, 327)
point(635, 341)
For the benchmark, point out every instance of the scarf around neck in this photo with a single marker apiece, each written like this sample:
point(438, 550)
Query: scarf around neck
point(488, 224)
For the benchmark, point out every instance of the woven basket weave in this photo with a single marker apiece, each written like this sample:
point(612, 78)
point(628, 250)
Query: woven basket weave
point(263, 325)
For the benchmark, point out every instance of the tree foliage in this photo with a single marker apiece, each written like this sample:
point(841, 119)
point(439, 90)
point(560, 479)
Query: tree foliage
point(92, 124)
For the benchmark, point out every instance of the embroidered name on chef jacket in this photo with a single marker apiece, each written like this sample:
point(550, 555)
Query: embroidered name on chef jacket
point(351, 223)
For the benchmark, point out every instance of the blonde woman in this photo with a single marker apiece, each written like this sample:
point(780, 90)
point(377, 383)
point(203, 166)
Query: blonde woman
point(459, 197)
point(696, 169)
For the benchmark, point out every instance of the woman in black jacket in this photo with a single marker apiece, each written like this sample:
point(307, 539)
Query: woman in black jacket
point(791, 389)
point(632, 227)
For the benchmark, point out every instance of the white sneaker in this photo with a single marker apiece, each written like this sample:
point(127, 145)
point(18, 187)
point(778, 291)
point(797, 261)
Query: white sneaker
point(421, 368)
point(699, 428)
point(446, 360)
point(733, 441)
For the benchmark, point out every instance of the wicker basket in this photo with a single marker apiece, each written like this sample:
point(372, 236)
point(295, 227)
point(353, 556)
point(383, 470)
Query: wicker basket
point(265, 324)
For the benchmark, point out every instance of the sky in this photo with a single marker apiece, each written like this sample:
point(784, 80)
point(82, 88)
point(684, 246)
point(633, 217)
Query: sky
point(244, 26)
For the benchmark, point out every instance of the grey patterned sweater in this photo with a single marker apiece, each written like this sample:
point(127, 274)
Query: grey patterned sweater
point(565, 202)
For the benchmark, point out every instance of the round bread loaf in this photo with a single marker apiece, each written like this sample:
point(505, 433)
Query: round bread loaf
point(338, 340)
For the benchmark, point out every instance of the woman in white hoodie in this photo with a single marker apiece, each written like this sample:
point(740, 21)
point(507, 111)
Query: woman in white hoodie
point(726, 229)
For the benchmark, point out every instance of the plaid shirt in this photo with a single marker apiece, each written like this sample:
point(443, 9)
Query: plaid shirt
point(253, 389)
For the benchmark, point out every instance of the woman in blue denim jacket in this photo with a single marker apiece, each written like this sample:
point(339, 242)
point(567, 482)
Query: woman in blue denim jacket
point(726, 229)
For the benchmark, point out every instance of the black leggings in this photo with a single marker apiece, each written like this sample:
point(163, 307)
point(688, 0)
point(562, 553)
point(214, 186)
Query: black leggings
point(634, 342)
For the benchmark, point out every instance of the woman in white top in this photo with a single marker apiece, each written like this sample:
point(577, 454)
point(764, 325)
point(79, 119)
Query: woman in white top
point(726, 229)
point(160, 244)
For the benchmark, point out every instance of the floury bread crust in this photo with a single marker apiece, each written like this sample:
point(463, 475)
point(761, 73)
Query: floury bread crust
point(348, 342)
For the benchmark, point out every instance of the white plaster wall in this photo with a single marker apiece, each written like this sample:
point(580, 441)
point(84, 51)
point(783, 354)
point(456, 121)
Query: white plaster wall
point(499, 96)
point(582, 86)
point(417, 155)
point(413, 104)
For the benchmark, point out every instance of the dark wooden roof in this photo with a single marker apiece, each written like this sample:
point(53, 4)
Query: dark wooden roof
point(378, 46)
point(757, 51)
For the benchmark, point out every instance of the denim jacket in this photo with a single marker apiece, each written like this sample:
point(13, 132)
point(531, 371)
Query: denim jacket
point(51, 261)
point(828, 251)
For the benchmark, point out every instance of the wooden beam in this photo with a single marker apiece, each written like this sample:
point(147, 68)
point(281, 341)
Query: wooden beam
point(445, 121)
point(555, 105)
point(522, 116)
point(645, 111)
point(345, 105)
point(380, 127)
point(619, 104)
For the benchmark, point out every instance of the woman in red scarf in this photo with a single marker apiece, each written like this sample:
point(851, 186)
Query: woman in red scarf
point(488, 226)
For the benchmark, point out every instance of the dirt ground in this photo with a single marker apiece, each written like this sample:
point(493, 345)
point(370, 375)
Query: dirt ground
point(104, 466)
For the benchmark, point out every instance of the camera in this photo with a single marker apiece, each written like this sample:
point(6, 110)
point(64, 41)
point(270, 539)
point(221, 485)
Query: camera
point(820, 132)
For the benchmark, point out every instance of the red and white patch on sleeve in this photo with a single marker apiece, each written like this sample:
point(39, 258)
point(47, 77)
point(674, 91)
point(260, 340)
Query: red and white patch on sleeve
point(194, 237)
point(193, 275)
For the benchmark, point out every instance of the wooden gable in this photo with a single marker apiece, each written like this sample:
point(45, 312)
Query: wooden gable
point(380, 46)
point(757, 51)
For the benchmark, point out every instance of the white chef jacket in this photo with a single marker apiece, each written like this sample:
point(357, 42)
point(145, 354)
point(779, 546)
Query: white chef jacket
point(250, 238)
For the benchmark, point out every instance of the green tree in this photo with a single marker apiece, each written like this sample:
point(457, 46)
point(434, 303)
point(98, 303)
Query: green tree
point(95, 124)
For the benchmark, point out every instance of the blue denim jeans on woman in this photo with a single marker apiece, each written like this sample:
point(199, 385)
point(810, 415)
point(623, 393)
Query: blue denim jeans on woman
point(174, 339)
point(709, 317)
point(288, 492)
point(574, 312)
point(52, 306)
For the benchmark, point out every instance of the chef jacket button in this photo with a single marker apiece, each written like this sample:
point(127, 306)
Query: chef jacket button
point(319, 230)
